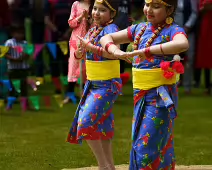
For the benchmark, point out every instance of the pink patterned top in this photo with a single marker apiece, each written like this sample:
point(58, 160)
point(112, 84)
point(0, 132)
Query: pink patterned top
point(80, 30)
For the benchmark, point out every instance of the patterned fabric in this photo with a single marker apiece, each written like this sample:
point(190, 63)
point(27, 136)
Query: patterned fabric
point(154, 109)
point(15, 54)
point(80, 30)
point(94, 119)
point(108, 29)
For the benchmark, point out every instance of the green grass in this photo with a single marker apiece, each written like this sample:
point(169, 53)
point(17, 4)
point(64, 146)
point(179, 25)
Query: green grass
point(36, 140)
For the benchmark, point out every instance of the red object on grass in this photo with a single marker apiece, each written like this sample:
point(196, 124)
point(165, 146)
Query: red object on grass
point(125, 77)
point(57, 83)
point(47, 101)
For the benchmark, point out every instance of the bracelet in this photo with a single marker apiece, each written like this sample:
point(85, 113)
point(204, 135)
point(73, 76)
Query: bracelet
point(161, 49)
point(101, 51)
point(147, 52)
point(108, 45)
point(76, 57)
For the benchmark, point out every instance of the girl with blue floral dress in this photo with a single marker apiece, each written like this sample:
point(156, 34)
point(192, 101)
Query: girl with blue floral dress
point(94, 121)
point(155, 71)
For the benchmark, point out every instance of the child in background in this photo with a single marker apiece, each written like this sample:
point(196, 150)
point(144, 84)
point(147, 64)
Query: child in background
point(17, 63)
point(79, 23)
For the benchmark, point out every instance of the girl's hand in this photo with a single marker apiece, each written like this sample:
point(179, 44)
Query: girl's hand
point(83, 43)
point(139, 53)
point(84, 14)
point(80, 48)
point(121, 55)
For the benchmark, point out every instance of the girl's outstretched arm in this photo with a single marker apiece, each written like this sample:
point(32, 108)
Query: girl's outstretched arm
point(120, 37)
point(178, 44)
point(101, 51)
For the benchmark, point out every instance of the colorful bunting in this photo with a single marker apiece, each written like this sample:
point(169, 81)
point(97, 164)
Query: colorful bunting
point(1, 104)
point(47, 101)
point(10, 101)
point(53, 49)
point(3, 51)
point(24, 103)
point(64, 80)
point(35, 102)
point(32, 83)
point(29, 49)
point(48, 79)
point(19, 49)
point(16, 84)
point(79, 81)
point(38, 48)
point(58, 99)
point(63, 46)
point(39, 80)
point(7, 84)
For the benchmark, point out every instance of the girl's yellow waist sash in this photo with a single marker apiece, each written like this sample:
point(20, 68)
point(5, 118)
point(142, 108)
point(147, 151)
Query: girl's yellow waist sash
point(102, 70)
point(146, 79)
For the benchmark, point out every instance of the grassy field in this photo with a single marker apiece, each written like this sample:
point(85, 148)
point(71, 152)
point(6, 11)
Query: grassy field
point(35, 140)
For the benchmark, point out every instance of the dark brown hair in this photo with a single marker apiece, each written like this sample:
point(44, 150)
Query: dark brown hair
point(113, 3)
point(173, 4)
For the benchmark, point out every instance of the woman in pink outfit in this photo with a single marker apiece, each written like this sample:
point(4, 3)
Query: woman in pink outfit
point(78, 21)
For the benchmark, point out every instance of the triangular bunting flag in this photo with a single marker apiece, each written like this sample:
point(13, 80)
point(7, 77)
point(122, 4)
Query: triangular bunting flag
point(32, 83)
point(53, 49)
point(79, 81)
point(19, 49)
point(7, 84)
point(10, 101)
point(1, 104)
point(47, 101)
point(16, 84)
point(29, 49)
point(58, 99)
point(63, 46)
point(64, 80)
point(39, 80)
point(73, 43)
point(38, 48)
point(3, 51)
point(35, 102)
point(24, 103)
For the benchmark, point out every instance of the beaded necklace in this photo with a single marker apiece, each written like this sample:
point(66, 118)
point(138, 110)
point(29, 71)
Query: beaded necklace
point(94, 33)
point(151, 39)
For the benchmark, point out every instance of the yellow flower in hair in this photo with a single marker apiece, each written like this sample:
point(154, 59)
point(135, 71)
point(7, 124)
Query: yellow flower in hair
point(148, 1)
